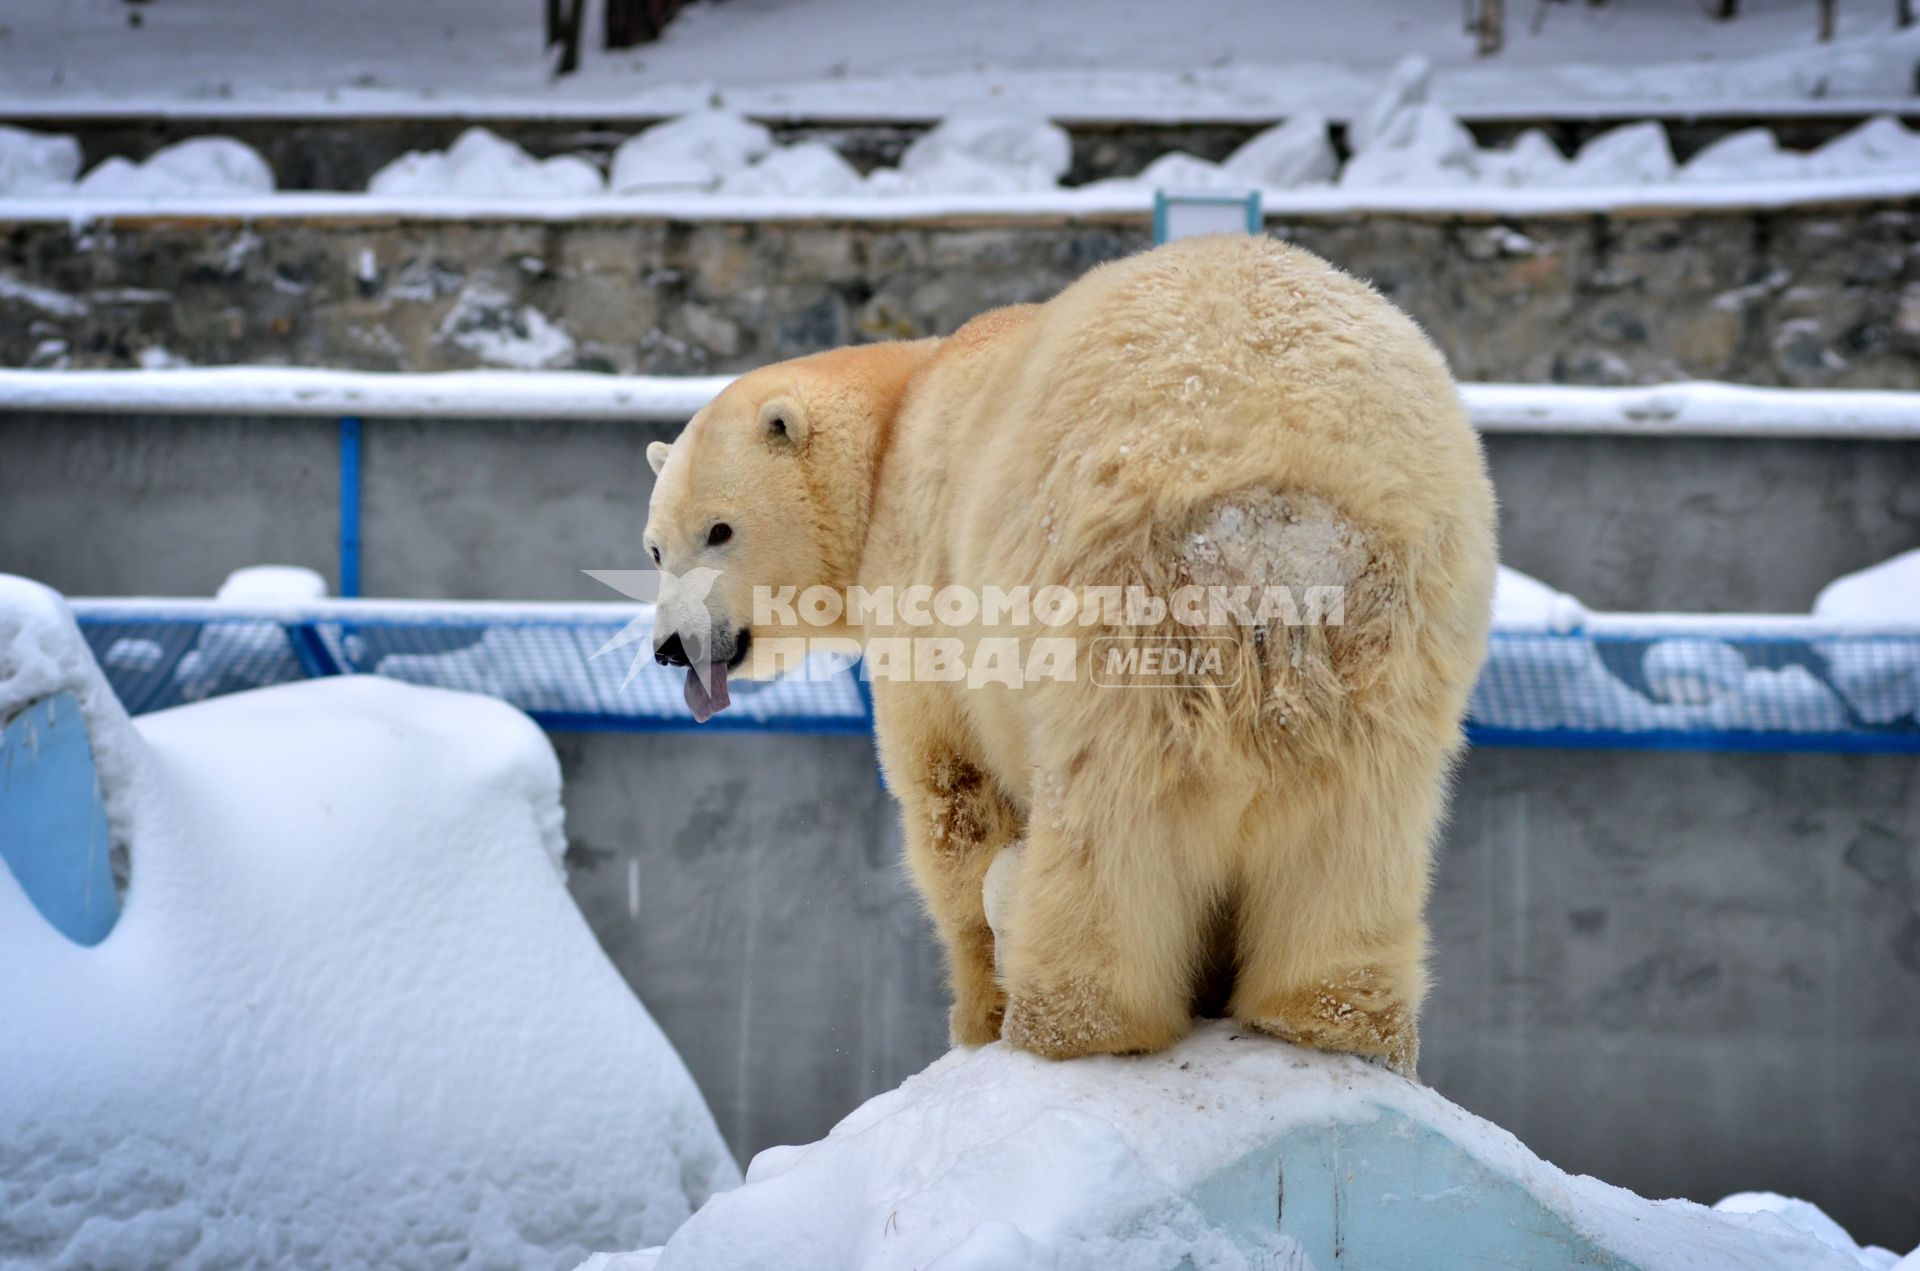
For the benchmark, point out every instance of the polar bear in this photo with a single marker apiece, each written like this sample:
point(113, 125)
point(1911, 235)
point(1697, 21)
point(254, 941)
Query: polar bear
point(1198, 799)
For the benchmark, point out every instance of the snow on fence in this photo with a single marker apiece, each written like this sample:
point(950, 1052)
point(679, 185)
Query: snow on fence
point(1611, 681)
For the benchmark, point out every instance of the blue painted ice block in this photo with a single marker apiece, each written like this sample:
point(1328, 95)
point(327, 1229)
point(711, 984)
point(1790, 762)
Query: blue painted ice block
point(53, 825)
point(1392, 1193)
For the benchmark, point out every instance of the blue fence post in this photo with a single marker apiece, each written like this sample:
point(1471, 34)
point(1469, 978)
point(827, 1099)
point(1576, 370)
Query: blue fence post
point(349, 505)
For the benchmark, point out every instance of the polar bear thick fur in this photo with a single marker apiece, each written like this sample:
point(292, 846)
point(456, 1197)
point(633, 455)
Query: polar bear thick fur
point(1257, 823)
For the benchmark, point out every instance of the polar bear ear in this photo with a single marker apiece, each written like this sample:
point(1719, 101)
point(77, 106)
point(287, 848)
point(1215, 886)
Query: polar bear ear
point(657, 453)
point(782, 420)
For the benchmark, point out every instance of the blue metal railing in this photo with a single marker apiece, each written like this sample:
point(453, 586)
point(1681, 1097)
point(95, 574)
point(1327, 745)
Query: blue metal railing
point(1623, 683)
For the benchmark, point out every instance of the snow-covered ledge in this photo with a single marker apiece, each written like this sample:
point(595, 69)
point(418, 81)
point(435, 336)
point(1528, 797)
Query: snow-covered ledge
point(1672, 410)
point(1085, 203)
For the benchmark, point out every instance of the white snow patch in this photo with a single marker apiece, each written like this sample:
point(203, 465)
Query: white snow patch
point(810, 169)
point(694, 152)
point(349, 1015)
point(480, 164)
point(1887, 593)
point(199, 167)
point(1880, 680)
point(36, 162)
point(485, 323)
point(1525, 603)
point(997, 1158)
point(981, 153)
point(1808, 1219)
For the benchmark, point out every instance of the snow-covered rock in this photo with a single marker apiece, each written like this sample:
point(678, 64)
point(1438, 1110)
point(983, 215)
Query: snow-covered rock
point(693, 152)
point(1520, 600)
point(1879, 679)
point(1636, 154)
point(1419, 145)
point(1408, 84)
point(199, 167)
point(265, 584)
point(349, 1015)
point(982, 154)
point(1228, 1150)
point(1295, 153)
point(34, 163)
point(1881, 145)
point(1752, 154)
point(481, 165)
point(1532, 160)
point(1179, 171)
point(1883, 594)
point(810, 169)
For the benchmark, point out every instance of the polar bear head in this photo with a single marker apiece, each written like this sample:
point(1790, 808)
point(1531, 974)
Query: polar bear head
point(767, 489)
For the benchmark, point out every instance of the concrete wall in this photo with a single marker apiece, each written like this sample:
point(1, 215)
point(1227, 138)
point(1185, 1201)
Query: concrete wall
point(1685, 974)
point(115, 505)
point(1826, 295)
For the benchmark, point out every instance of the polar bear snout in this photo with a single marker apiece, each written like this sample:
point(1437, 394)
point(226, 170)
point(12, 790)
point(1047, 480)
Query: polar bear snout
point(728, 648)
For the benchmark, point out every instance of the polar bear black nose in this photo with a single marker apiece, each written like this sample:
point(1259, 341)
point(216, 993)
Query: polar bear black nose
point(670, 652)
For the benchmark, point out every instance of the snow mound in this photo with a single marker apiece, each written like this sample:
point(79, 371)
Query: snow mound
point(199, 167)
point(1637, 154)
point(810, 169)
point(694, 152)
point(1882, 144)
point(1752, 154)
point(1880, 681)
point(981, 154)
point(1883, 594)
point(993, 1158)
point(349, 1015)
point(36, 163)
point(481, 165)
point(1522, 601)
point(1808, 1219)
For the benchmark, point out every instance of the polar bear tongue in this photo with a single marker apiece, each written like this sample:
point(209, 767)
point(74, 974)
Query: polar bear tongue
point(707, 698)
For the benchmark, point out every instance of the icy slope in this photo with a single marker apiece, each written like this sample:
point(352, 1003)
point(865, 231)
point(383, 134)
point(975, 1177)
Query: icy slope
point(1226, 1151)
point(349, 1016)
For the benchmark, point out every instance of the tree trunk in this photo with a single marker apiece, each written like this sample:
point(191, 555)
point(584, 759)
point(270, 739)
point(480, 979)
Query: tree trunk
point(568, 16)
point(1903, 13)
point(1826, 20)
point(1726, 10)
point(631, 22)
point(1492, 27)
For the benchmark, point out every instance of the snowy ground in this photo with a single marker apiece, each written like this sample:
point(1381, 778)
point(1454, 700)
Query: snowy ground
point(349, 1016)
point(994, 1159)
point(919, 58)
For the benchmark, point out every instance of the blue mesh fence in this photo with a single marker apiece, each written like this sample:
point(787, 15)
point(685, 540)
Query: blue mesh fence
point(1689, 687)
point(545, 667)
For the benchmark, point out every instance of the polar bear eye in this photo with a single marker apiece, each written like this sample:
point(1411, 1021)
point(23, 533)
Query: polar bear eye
point(719, 534)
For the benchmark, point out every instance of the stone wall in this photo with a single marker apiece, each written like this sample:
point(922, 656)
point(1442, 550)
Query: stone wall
point(1826, 295)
